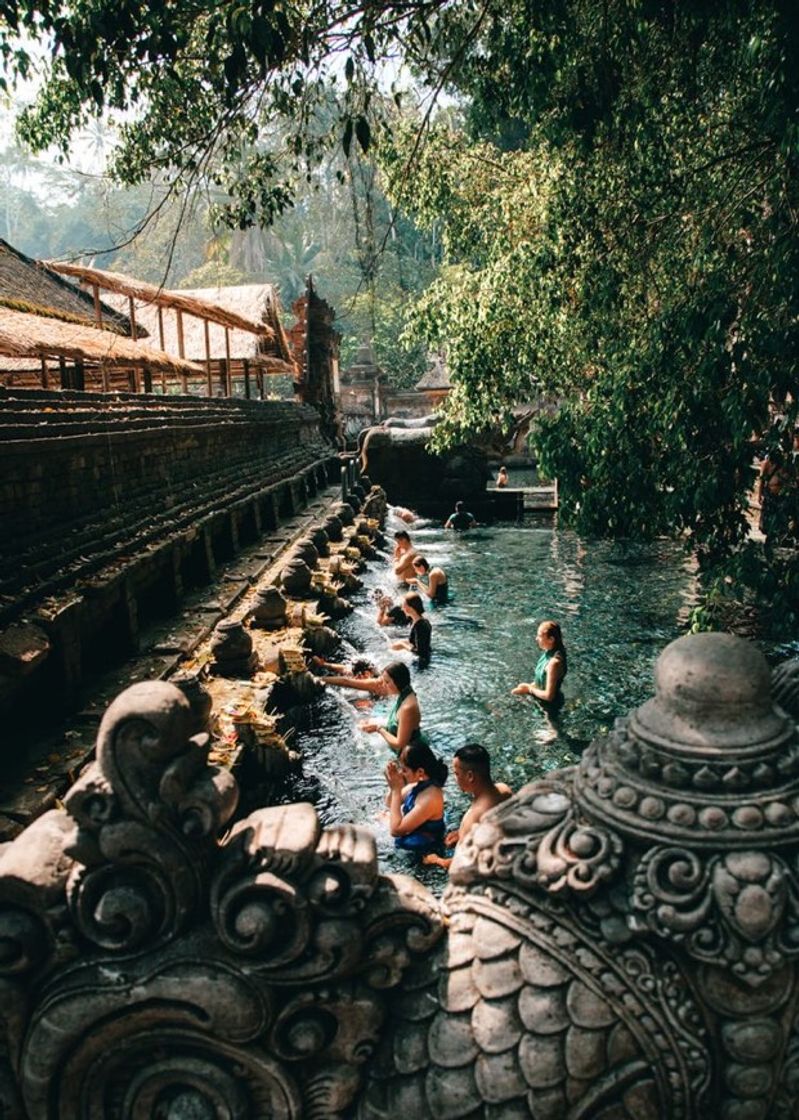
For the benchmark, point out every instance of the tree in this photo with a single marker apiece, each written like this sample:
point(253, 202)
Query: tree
point(652, 277)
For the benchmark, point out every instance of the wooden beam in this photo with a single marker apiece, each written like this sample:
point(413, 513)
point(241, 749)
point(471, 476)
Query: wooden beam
point(246, 365)
point(45, 378)
point(148, 380)
point(181, 348)
point(161, 328)
point(207, 331)
point(104, 375)
point(98, 311)
point(228, 374)
point(80, 374)
point(62, 366)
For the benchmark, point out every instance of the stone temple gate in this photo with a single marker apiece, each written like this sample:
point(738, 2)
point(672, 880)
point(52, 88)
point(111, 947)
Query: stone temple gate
point(620, 940)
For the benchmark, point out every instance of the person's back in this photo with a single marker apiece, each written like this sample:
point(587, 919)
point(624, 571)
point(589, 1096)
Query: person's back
point(461, 519)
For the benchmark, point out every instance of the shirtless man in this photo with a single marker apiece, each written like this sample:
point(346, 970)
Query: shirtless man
point(471, 766)
point(404, 556)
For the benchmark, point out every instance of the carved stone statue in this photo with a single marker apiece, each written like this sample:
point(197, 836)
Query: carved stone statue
point(618, 941)
point(623, 937)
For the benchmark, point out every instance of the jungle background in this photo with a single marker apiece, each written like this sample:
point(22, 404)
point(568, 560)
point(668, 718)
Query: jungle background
point(595, 200)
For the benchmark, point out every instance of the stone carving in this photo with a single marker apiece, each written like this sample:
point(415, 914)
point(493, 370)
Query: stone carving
point(334, 527)
point(269, 609)
point(619, 940)
point(150, 971)
point(295, 577)
point(321, 541)
point(199, 698)
point(623, 936)
point(231, 649)
point(306, 550)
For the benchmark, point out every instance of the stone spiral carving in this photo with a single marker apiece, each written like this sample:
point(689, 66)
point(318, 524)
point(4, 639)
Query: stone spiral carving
point(619, 941)
point(178, 977)
point(143, 812)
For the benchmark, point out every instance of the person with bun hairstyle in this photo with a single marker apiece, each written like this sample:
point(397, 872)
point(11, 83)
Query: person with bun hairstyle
point(405, 717)
point(550, 668)
point(415, 799)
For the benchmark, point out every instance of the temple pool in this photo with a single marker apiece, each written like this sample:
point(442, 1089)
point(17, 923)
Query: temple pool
point(619, 604)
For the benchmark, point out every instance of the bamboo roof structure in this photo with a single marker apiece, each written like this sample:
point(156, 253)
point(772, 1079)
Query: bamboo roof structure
point(147, 293)
point(23, 335)
point(256, 302)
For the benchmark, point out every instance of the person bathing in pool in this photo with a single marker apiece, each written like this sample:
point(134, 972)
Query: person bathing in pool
point(431, 582)
point(419, 638)
point(416, 799)
point(404, 720)
point(550, 668)
point(471, 766)
point(403, 556)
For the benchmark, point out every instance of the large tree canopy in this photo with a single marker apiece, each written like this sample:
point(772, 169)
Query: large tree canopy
point(619, 210)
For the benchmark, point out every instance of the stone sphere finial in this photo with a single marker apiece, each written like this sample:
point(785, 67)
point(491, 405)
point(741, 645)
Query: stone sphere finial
point(713, 694)
point(710, 759)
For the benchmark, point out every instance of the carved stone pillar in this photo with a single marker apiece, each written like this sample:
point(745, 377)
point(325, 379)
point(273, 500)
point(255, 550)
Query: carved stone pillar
point(624, 936)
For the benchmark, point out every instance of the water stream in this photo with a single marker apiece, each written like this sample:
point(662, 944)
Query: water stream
point(619, 604)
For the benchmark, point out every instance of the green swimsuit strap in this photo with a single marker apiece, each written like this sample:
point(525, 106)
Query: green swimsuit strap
point(392, 722)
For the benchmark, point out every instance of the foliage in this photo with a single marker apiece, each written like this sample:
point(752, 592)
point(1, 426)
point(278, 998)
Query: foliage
point(618, 212)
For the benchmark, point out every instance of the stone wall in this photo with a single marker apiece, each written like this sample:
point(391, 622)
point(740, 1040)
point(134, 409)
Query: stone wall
point(110, 499)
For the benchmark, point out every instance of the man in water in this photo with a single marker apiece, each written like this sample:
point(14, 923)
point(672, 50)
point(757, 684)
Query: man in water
point(404, 556)
point(461, 519)
point(471, 766)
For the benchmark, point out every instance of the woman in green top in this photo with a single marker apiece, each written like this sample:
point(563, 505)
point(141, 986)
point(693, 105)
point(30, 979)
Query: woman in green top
point(402, 724)
point(550, 668)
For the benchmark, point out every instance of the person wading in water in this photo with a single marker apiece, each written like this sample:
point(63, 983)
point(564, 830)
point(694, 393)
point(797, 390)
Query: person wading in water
point(550, 668)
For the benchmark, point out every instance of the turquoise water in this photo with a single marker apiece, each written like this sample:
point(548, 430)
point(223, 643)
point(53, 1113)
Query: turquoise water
point(618, 603)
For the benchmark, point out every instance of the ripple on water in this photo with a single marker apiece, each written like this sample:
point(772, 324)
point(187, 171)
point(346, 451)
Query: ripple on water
point(619, 604)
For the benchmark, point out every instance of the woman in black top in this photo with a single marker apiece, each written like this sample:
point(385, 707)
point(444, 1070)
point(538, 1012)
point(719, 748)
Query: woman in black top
point(418, 641)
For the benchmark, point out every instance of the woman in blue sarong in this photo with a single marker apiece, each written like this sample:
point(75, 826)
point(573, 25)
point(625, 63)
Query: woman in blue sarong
point(416, 800)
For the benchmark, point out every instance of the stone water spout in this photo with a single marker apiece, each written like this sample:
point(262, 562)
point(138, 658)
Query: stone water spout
point(619, 941)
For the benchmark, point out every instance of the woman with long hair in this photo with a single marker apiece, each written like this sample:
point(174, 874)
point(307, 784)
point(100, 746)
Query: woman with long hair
point(415, 799)
point(405, 717)
point(550, 668)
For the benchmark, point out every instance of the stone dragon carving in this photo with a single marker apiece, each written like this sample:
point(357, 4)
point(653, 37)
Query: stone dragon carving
point(620, 940)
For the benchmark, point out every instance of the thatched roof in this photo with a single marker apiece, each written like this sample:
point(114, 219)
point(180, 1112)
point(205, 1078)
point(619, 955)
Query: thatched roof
point(28, 285)
point(27, 336)
point(256, 302)
point(147, 293)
